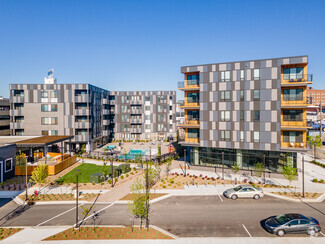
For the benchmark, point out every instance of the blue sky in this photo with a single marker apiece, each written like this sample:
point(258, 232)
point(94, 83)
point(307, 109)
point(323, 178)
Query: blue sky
point(140, 45)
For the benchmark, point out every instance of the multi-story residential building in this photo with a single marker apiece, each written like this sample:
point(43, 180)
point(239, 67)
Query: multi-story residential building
point(91, 114)
point(247, 111)
point(316, 97)
point(4, 117)
point(143, 115)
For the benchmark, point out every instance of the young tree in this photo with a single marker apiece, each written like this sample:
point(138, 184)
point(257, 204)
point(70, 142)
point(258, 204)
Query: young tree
point(159, 152)
point(288, 171)
point(177, 136)
point(235, 168)
point(137, 206)
point(39, 174)
point(83, 149)
point(314, 142)
point(259, 169)
point(138, 160)
point(168, 167)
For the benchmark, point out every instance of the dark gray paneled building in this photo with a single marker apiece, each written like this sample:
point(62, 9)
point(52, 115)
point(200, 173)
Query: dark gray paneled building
point(7, 161)
point(4, 117)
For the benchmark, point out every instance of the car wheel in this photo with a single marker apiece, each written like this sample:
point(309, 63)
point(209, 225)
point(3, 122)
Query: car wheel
point(280, 232)
point(234, 197)
point(311, 232)
point(256, 197)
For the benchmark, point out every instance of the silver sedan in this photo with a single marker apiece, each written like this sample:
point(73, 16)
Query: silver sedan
point(244, 191)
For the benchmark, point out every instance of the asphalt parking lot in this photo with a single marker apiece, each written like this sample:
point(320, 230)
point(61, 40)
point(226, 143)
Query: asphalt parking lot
point(184, 216)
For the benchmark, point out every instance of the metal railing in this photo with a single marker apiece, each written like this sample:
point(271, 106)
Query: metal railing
point(303, 101)
point(188, 84)
point(291, 78)
point(294, 123)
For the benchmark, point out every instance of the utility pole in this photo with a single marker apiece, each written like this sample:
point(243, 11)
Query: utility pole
point(264, 168)
point(147, 195)
point(77, 196)
point(112, 171)
point(303, 175)
point(223, 165)
point(185, 160)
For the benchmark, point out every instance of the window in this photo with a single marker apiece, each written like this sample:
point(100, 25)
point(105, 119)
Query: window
point(161, 108)
point(193, 97)
point(225, 135)
point(242, 95)
point(256, 95)
point(225, 76)
point(49, 120)
point(242, 115)
point(192, 133)
point(256, 116)
point(44, 94)
point(147, 117)
point(293, 73)
point(8, 164)
point(147, 127)
point(124, 109)
point(225, 96)
point(49, 107)
point(147, 108)
point(256, 74)
point(242, 75)
point(147, 98)
point(161, 117)
point(225, 115)
point(256, 136)
point(53, 133)
point(304, 222)
point(54, 94)
point(293, 222)
point(161, 99)
point(292, 94)
point(292, 136)
point(192, 79)
point(292, 115)
point(242, 136)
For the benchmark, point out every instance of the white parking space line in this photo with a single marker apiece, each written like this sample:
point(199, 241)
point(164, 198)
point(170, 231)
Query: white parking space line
point(322, 233)
point(58, 215)
point(220, 197)
point(247, 231)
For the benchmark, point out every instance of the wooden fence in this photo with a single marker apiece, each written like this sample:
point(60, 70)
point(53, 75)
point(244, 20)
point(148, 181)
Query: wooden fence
point(52, 169)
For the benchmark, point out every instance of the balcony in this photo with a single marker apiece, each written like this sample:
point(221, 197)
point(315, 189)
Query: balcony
point(296, 80)
point(136, 111)
point(190, 141)
point(293, 146)
point(106, 122)
point(81, 138)
point(125, 111)
point(112, 102)
point(189, 85)
point(105, 133)
point(82, 99)
point(295, 124)
point(17, 125)
point(136, 121)
point(136, 130)
point(303, 103)
point(18, 99)
point(191, 123)
point(4, 122)
point(82, 125)
point(80, 111)
point(106, 111)
point(190, 103)
point(5, 132)
point(17, 112)
point(105, 101)
point(135, 101)
point(4, 112)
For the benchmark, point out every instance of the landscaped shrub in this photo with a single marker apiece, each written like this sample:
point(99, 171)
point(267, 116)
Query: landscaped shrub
point(122, 177)
point(318, 163)
point(321, 181)
point(315, 180)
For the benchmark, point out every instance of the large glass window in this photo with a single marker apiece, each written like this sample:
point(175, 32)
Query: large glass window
point(242, 75)
point(54, 94)
point(49, 107)
point(242, 115)
point(225, 96)
point(193, 114)
point(49, 120)
point(225, 76)
point(292, 115)
point(225, 135)
point(292, 136)
point(256, 74)
point(256, 95)
point(293, 94)
point(8, 164)
point(193, 133)
point(193, 79)
point(193, 97)
point(225, 115)
point(256, 136)
point(242, 136)
point(293, 73)
point(44, 94)
point(242, 95)
point(256, 116)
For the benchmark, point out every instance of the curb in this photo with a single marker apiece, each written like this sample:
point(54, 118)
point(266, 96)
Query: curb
point(319, 199)
point(164, 231)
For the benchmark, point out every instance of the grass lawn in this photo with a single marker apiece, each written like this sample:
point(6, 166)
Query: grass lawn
point(85, 171)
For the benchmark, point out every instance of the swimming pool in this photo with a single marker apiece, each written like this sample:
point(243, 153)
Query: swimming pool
point(133, 153)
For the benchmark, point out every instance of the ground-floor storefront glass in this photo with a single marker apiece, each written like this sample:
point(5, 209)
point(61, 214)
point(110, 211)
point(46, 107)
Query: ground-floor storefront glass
point(273, 160)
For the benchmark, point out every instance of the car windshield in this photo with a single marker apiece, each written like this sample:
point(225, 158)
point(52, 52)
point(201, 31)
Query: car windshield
point(237, 188)
point(282, 219)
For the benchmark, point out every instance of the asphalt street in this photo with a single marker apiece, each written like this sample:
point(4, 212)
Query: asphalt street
point(185, 216)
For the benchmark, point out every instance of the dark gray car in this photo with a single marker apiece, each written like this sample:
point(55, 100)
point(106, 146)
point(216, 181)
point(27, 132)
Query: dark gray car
point(292, 223)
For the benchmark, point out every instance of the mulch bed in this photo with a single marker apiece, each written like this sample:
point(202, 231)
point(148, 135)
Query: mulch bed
point(59, 197)
point(308, 195)
point(107, 233)
point(151, 196)
point(6, 232)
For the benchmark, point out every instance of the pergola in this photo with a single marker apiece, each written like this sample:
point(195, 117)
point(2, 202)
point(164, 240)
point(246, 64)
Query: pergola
point(44, 142)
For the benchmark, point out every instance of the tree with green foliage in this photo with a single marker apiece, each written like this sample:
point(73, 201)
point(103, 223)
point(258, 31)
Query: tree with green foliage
point(39, 174)
point(235, 168)
point(21, 160)
point(83, 149)
point(314, 142)
point(168, 167)
point(153, 173)
point(139, 161)
point(289, 171)
point(159, 152)
point(137, 206)
point(259, 169)
point(177, 136)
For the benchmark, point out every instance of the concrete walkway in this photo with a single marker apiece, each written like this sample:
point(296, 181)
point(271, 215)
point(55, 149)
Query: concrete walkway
point(36, 234)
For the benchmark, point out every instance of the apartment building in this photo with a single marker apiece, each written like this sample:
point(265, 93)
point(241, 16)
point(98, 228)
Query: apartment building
point(4, 117)
point(91, 114)
point(246, 112)
point(143, 115)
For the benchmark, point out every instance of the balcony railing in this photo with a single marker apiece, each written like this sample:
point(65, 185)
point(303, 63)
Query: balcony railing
point(188, 84)
point(136, 111)
point(302, 102)
point(189, 102)
point(135, 130)
point(135, 101)
point(294, 123)
point(296, 78)
point(293, 145)
point(136, 121)
point(192, 140)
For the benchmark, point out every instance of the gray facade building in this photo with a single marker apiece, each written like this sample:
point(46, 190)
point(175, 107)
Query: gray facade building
point(91, 114)
point(253, 107)
point(4, 117)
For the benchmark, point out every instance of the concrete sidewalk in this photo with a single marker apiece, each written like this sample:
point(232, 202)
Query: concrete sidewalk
point(37, 234)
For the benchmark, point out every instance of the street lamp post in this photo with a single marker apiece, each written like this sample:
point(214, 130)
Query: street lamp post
point(264, 168)
point(303, 175)
point(26, 178)
point(112, 171)
point(223, 165)
point(185, 160)
point(77, 196)
point(147, 196)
